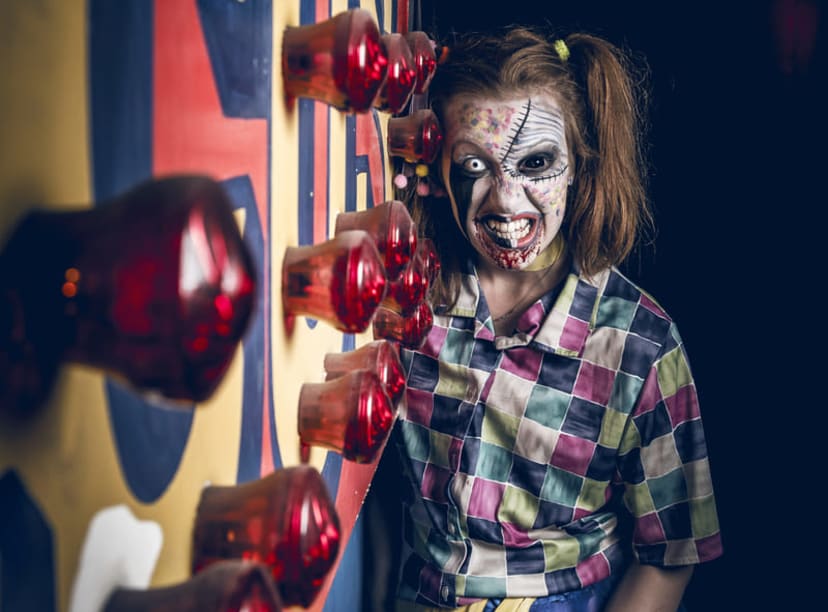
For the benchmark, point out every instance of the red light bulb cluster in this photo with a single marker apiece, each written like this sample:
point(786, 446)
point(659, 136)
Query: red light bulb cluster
point(392, 229)
point(402, 75)
point(425, 58)
point(341, 281)
point(156, 287)
point(351, 415)
point(409, 289)
point(410, 331)
point(341, 61)
point(427, 250)
point(415, 137)
point(379, 356)
point(225, 586)
point(285, 520)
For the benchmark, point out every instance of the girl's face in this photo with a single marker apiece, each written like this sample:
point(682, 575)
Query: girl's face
point(506, 167)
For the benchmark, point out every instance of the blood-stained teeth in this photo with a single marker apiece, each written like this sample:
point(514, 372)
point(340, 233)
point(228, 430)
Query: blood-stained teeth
point(512, 230)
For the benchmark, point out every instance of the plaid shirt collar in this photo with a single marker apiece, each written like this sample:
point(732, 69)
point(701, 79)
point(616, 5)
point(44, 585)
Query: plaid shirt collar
point(556, 325)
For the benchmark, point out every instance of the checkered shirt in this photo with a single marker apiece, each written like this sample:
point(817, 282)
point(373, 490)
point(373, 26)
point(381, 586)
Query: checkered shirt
point(519, 447)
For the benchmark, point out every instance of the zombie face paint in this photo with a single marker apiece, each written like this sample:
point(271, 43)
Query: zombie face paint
point(506, 165)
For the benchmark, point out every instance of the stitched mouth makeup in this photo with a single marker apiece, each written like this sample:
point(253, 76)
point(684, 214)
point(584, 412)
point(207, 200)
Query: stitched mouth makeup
point(510, 240)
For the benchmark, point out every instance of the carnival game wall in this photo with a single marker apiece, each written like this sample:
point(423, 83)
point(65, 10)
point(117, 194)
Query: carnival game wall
point(96, 97)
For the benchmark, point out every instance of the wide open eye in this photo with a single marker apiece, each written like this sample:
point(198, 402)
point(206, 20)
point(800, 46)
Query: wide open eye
point(474, 166)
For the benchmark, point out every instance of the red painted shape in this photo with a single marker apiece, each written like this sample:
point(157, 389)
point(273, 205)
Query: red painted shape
point(321, 151)
point(402, 16)
point(368, 143)
point(191, 134)
point(321, 147)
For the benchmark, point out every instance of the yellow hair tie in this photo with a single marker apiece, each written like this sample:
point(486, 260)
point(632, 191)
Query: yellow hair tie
point(562, 49)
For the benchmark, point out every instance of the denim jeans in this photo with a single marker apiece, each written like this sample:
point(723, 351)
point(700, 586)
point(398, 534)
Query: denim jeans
point(589, 599)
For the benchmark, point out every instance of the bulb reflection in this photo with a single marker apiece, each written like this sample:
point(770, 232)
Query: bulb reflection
point(379, 356)
point(350, 415)
point(225, 586)
point(392, 229)
point(425, 59)
point(402, 75)
point(342, 61)
point(416, 137)
point(341, 281)
point(155, 287)
point(285, 520)
point(409, 331)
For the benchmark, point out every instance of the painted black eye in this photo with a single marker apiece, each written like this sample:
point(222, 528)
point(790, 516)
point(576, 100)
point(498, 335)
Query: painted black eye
point(474, 166)
point(535, 164)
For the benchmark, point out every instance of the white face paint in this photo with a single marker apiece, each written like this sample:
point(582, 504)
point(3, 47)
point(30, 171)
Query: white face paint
point(506, 165)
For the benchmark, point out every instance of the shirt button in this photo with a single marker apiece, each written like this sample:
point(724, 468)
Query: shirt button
point(444, 592)
point(451, 528)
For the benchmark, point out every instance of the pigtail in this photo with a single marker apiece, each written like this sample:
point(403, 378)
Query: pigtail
point(609, 200)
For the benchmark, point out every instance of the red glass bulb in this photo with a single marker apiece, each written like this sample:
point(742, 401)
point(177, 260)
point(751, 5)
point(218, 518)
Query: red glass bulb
point(341, 61)
point(416, 137)
point(425, 59)
point(409, 331)
point(225, 586)
point(285, 520)
point(351, 415)
point(341, 281)
point(402, 75)
point(391, 227)
point(408, 290)
point(156, 287)
point(428, 251)
point(379, 356)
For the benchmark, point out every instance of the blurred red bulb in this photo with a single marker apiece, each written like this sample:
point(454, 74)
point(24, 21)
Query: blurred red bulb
point(225, 586)
point(285, 520)
point(425, 59)
point(402, 75)
point(341, 61)
point(156, 287)
point(409, 331)
point(416, 137)
point(350, 415)
point(428, 251)
point(341, 281)
point(379, 356)
point(391, 227)
point(409, 289)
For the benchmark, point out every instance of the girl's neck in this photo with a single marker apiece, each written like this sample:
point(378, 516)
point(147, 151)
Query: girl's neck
point(509, 293)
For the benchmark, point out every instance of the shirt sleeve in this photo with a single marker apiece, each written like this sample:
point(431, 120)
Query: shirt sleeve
point(664, 466)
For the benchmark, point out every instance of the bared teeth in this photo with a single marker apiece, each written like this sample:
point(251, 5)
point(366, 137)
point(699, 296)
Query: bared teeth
point(512, 231)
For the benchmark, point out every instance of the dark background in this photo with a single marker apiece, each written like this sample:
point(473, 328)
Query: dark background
point(737, 168)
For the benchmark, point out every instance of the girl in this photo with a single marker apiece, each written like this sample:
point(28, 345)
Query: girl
point(551, 436)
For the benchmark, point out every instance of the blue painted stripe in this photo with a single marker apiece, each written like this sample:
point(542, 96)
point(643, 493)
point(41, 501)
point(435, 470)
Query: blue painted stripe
point(240, 191)
point(27, 556)
point(120, 79)
point(238, 39)
point(149, 440)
